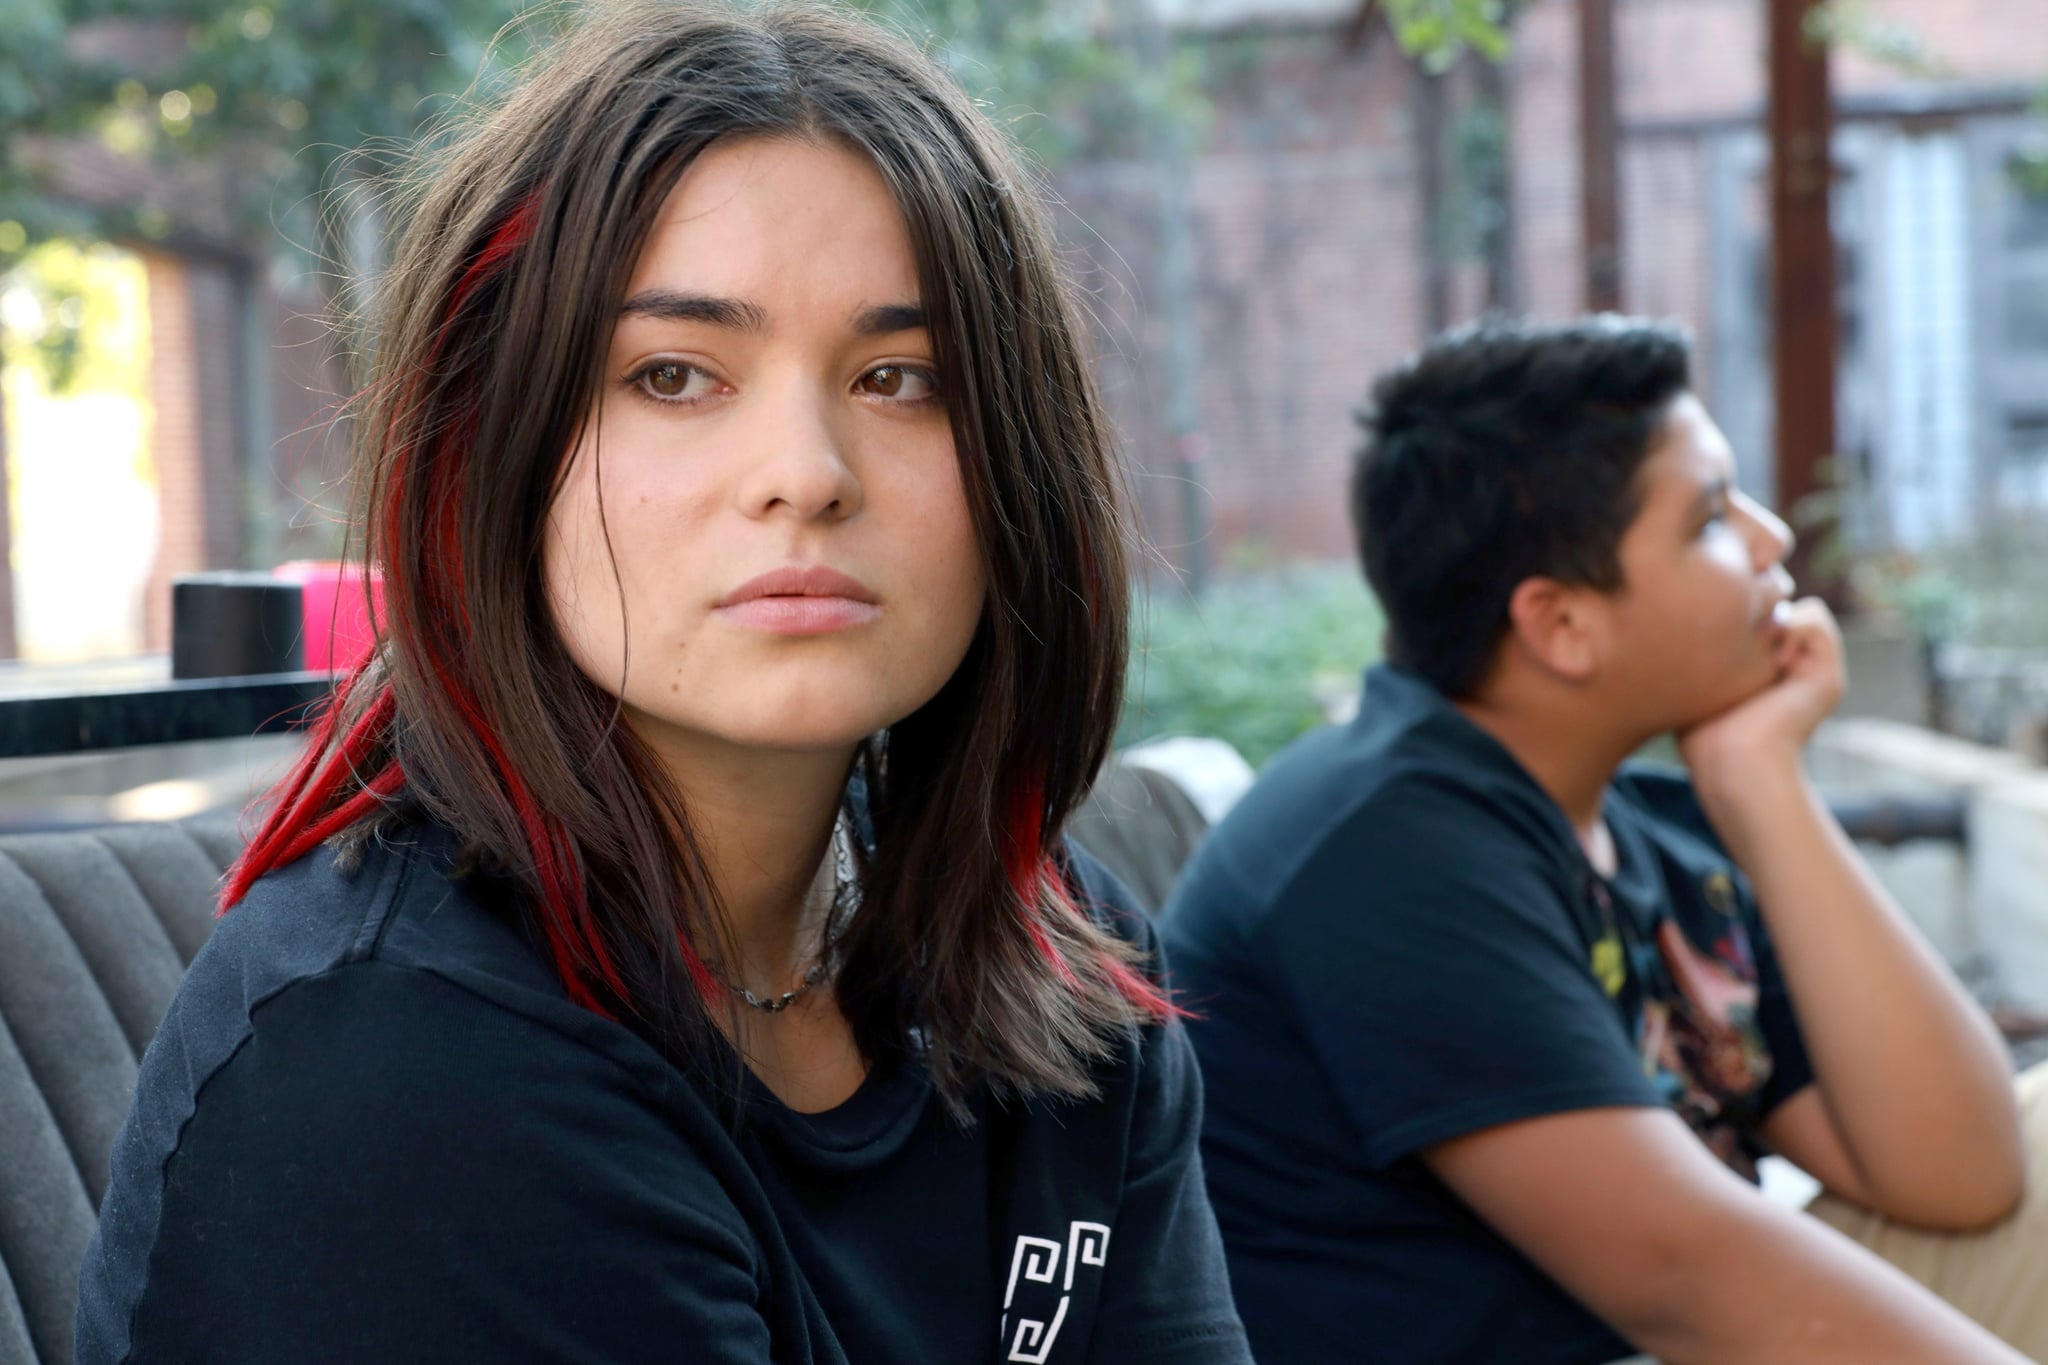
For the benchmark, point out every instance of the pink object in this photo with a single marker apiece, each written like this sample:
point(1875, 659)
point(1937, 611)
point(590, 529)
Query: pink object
point(339, 631)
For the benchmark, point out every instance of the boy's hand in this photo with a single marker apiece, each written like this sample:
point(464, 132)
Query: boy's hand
point(1774, 724)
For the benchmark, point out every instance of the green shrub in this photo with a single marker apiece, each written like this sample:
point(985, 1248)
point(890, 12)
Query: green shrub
point(1983, 589)
point(1256, 660)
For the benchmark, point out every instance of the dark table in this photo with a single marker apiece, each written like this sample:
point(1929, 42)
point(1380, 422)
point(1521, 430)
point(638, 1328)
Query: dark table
point(69, 709)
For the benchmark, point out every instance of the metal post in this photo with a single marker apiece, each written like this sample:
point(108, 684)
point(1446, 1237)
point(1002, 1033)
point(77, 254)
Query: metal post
point(1427, 89)
point(1599, 156)
point(1805, 331)
point(1491, 94)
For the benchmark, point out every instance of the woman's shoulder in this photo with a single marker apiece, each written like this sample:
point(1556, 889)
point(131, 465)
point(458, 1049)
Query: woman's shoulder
point(388, 1165)
point(391, 939)
point(361, 1060)
point(346, 975)
point(396, 901)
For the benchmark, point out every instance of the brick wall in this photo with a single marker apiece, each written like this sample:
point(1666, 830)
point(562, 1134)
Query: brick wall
point(1307, 231)
point(1307, 239)
point(1543, 133)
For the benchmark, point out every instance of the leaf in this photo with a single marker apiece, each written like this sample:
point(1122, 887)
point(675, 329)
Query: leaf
point(1439, 32)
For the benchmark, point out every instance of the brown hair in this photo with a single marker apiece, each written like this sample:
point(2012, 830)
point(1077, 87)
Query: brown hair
point(494, 319)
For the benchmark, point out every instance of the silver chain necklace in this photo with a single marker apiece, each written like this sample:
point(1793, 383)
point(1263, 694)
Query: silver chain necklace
point(845, 900)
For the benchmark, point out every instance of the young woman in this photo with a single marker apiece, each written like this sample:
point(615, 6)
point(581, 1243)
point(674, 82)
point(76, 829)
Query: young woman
point(665, 951)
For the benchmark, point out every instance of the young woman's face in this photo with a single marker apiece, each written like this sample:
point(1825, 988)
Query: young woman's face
point(762, 540)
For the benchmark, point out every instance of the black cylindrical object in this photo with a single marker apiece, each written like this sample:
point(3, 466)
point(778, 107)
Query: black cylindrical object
point(235, 624)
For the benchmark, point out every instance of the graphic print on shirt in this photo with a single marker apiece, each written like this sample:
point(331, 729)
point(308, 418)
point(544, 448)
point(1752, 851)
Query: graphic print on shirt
point(1703, 1043)
point(1040, 1260)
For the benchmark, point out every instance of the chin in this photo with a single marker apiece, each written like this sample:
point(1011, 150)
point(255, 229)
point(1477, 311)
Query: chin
point(768, 723)
point(829, 702)
point(1732, 694)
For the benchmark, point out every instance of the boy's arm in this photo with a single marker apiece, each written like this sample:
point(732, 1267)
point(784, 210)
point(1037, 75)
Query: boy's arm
point(1912, 1110)
point(1634, 1217)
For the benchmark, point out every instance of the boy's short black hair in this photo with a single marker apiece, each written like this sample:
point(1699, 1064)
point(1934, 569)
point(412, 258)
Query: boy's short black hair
point(1502, 452)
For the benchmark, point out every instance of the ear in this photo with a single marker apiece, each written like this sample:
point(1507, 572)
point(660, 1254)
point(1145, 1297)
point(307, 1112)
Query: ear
point(1557, 627)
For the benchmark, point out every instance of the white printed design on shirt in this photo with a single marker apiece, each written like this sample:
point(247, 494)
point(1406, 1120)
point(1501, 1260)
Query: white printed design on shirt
point(1038, 1259)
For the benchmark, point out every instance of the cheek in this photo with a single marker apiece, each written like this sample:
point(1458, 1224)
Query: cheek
point(1728, 553)
point(1710, 591)
point(953, 553)
point(582, 588)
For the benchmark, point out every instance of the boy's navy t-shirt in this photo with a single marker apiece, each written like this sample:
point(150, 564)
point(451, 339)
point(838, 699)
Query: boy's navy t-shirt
point(1394, 940)
point(373, 1127)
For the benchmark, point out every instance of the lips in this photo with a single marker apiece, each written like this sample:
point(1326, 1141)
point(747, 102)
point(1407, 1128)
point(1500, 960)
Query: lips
point(799, 580)
point(799, 600)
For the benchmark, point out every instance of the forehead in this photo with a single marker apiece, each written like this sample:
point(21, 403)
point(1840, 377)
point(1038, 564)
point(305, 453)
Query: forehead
point(796, 218)
point(1688, 453)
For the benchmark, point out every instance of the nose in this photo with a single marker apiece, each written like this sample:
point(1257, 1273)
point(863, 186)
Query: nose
point(1770, 539)
point(797, 462)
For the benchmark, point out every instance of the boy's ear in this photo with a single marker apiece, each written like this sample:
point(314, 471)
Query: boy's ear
point(1556, 627)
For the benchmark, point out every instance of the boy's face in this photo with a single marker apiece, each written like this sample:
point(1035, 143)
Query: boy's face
point(1692, 629)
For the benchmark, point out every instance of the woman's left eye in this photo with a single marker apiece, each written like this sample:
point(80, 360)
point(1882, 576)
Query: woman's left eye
point(903, 383)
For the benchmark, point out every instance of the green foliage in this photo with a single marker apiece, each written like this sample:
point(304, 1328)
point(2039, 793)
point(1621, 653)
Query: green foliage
point(321, 90)
point(285, 94)
point(40, 90)
point(299, 90)
point(1059, 82)
point(71, 317)
point(316, 102)
point(2030, 173)
point(2029, 167)
point(1473, 212)
point(1257, 660)
point(1982, 591)
point(1439, 32)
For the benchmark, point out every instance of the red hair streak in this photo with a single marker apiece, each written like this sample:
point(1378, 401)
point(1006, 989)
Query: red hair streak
point(1033, 873)
point(309, 805)
point(305, 811)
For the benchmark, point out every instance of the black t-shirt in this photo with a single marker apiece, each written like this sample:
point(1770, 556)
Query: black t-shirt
point(373, 1128)
point(1395, 939)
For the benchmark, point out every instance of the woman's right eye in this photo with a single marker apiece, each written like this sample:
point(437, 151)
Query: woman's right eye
point(673, 381)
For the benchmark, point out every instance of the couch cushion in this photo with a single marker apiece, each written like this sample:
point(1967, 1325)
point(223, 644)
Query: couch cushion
point(96, 928)
point(1140, 825)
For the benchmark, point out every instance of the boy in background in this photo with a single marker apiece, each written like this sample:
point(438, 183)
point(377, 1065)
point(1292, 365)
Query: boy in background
point(1493, 1030)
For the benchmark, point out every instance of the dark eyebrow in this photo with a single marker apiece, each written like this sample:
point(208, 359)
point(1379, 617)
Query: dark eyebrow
point(671, 306)
point(888, 318)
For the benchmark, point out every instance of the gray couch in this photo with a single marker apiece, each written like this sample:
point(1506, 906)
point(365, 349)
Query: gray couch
point(96, 928)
